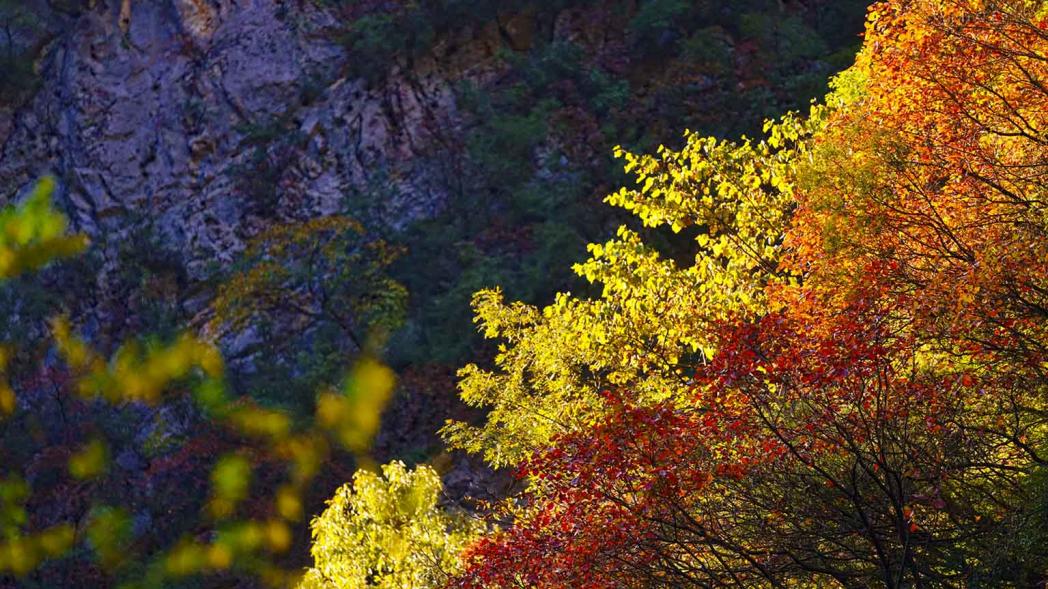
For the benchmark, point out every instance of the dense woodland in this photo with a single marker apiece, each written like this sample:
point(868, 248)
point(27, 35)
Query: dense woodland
point(805, 345)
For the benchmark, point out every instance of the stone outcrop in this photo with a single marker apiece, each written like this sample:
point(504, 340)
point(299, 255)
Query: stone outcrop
point(172, 109)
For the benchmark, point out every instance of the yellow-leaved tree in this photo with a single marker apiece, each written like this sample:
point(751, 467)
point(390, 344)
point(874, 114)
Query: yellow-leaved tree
point(389, 530)
point(648, 326)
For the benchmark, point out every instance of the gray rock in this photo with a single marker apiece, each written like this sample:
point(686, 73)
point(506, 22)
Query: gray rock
point(156, 113)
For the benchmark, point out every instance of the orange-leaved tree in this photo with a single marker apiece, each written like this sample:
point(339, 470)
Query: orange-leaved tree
point(869, 405)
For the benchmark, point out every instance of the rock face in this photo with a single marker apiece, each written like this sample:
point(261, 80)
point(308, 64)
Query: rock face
point(215, 118)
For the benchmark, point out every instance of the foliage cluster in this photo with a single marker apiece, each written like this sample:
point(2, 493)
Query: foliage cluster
point(225, 497)
point(388, 530)
point(314, 293)
point(521, 207)
point(843, 386)
point(85, 485)
point(842, 389)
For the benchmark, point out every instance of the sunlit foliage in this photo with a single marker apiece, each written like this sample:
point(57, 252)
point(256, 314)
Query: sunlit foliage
point(867, 404)
point(653, 322)
point(388, 530)
point(34, 233)
point(844, 386)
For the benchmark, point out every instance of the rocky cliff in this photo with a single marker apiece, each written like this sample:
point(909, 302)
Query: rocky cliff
point(163, 107)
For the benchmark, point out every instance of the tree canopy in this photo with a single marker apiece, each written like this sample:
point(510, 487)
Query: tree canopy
point(840, 382)
point(846, 387)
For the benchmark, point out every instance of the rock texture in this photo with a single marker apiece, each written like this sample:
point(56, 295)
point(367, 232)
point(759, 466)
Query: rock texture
point(211, 120)
point(182, 111)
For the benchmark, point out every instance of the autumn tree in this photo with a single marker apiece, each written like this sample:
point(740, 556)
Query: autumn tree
point(322, 270)
point(846, 388)
point(653, 323)
point(306, 297)
point(810, 453)
point(388, 530)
